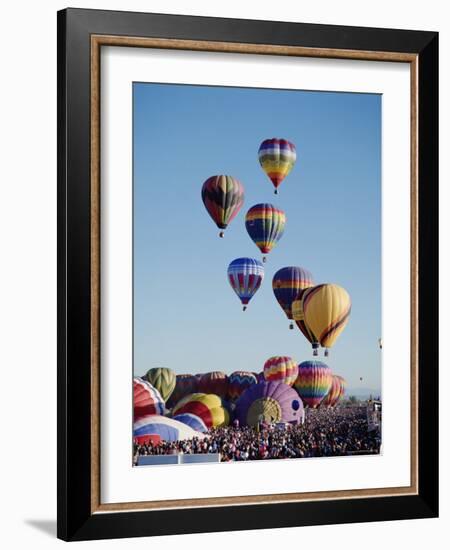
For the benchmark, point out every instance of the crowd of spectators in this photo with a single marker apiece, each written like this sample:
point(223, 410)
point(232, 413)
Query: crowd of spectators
point(325, 432)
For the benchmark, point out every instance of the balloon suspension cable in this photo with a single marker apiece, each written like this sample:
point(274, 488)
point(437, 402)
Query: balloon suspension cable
point(221, 234)
point(264, 259)
point(291, 326)
point(244, 308)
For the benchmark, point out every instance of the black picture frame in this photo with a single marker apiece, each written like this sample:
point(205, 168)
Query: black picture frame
point(76, 521)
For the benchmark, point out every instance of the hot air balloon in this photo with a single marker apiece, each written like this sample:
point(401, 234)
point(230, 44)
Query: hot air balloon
point(313, 382)
point(288, 285)
point(334, 393)
point(265, 225)
point(166, 429)
point(238, 382)
point(326, 309)
point(193, 421)
point(269, 402)
point(206, 406)
point(146, 399)
point(342, 388)
point(185, 384)
point(299, 318)
point(214, 382)
point(245, 276)
point(281, 369)
point(223, 197)
point(163, 380)
point(277, 158)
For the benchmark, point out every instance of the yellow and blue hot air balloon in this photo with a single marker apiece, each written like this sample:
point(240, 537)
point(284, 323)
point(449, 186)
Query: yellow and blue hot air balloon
point(223, 197)
point(326, 309)
point(288, 285)
point(265, 225)
point(277, 158)
point(245, 276)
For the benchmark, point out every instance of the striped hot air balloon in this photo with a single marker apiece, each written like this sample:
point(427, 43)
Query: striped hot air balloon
point(214, 382)
point(206, 406)
point(238, 382)
point(223, 197)
point(146, 399)
point(342, 388)
point(165, 429)
point(281, 369)
point(269, 402)
point(326, 310)
point(265, 225)
point(313, 382)
point(288, 285)
point(163, 380)
point(245, 276)
point(332, 397)
point(277, 158)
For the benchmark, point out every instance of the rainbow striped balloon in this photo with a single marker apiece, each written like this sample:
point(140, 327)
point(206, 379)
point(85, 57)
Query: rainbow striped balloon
point(313, 382)
point(281, 369)
point(277, 158)
point(265, 225)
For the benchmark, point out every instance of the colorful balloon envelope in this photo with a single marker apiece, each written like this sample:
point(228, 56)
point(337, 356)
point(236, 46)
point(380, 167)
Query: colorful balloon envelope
point(269, 402)
point(245, 276)
point(334, 393)
point(326, 310)
point(146, 399)
point(277, 158)
point(288, 285)
point(208, 407)
point(281, 369)
point(184, 385)
point(265, 225)
point(168, 429)
point(238, 382)
point(313, 382)
point(223, 197)
point(193, 421)
point(214, 382)
point(163, 380)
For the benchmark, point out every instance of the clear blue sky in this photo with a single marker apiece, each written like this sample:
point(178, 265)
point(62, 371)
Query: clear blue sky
point(186, 316)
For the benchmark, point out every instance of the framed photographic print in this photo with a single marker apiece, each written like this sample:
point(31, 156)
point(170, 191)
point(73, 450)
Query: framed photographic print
point(247, 274)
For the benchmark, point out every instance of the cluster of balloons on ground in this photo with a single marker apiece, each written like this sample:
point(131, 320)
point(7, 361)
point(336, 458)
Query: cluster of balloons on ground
point(173, 407)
